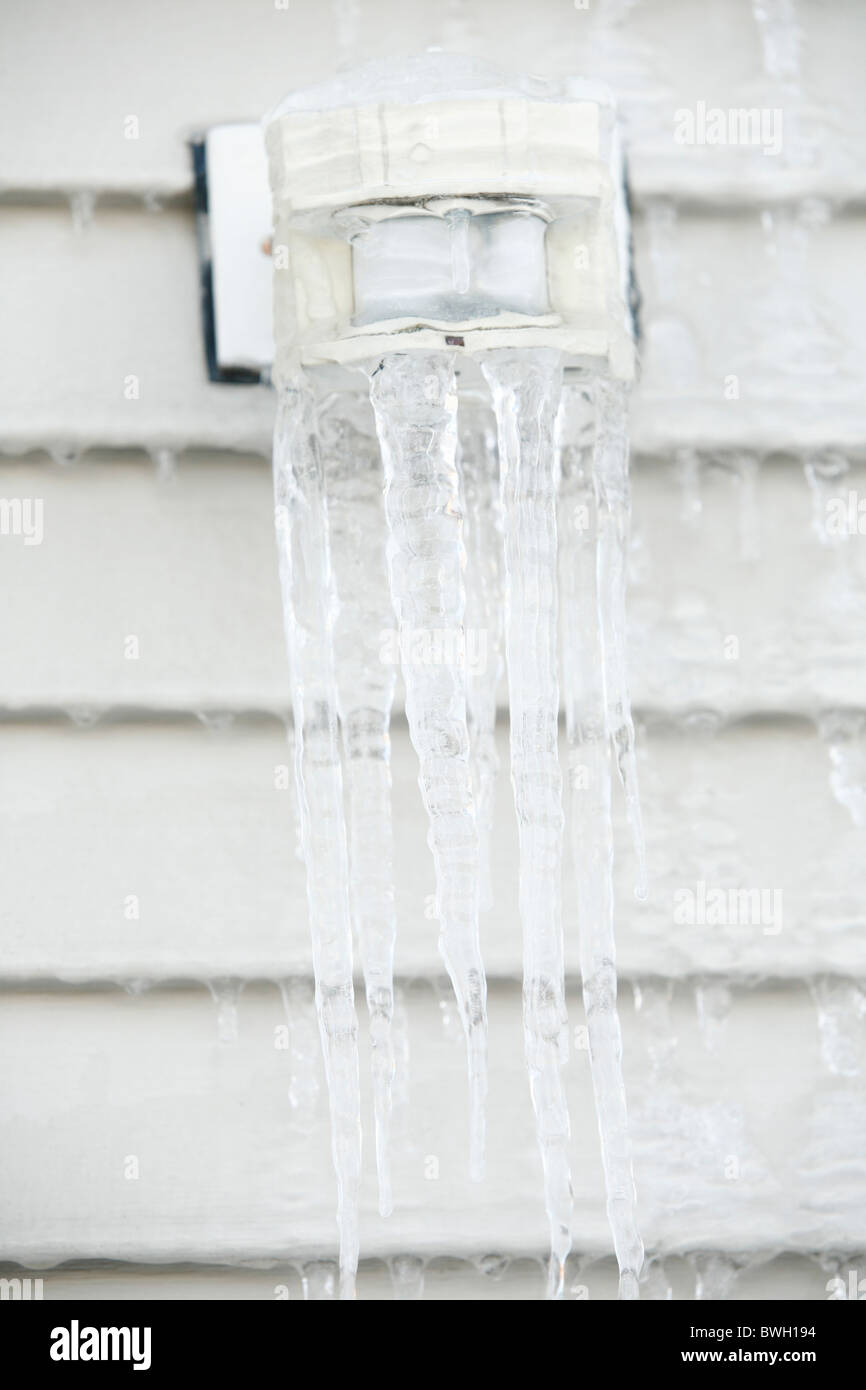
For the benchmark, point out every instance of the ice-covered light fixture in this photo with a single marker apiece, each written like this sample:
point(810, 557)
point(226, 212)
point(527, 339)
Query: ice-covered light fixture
point(436, 204)
point(453, 346)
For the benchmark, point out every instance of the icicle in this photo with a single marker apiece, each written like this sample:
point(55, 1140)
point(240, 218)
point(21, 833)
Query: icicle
point(137, 986)
point(402, 1069)
point(841, 1006)
point(291, 785)
point(687, 466)
point(844, 734)
point(493, 1267)
point(610, 468)
point(657, 1285)
point(305, 577)
point(652, 1001)
point(713, 1004)
point(65, 455)
point(415, 400)
point(479, 467)
point(82, 205)
point(407, 1277)
point(85, 716)
point(747, 473)
point(225, 994)
point(366, 672)
point(715, 1277)
point(827, 476)
point(449, 1014)
point(318, 1281)
point(299, 1013)
point(590, 824)
point(781, 38)
point(795, 337)
point(526, 387)
point(216, 721)
point(165, 461)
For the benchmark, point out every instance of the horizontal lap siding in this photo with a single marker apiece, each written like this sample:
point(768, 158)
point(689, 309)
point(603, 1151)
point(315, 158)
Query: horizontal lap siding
point(192, 567)
point(227, 1171)
point(164, 851)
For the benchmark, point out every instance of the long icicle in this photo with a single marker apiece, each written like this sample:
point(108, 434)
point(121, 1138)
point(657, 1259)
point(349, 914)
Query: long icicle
point(415, 400)
point(590, 824)
point(614, 513)
point(525, 389)
point(479, 468)
point(307, 589)
point(366, 676)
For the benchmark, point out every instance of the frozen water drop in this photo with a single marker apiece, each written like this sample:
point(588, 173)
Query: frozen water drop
point(82, 205)
point(407, 1277)
point(225, 994)
point(415, 401)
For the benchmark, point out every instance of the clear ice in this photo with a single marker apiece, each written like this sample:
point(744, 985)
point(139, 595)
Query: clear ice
point(610, 468)
point(479, 470)
point(365, 695)
point(586, 575)
point(305, 578)
point(415, 402)
point(415, 542)
point(526, 388)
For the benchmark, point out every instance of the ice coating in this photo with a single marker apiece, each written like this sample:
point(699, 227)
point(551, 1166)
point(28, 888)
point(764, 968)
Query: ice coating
point(525, 387)
point(433, 76)
point(589, 799)
point(365, 695)
point(479, 469)
point(307, 588)
point(610, 469)
point(415, 402)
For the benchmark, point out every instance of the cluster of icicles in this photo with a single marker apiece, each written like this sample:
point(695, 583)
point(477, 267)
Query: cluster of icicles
point(406, 515)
